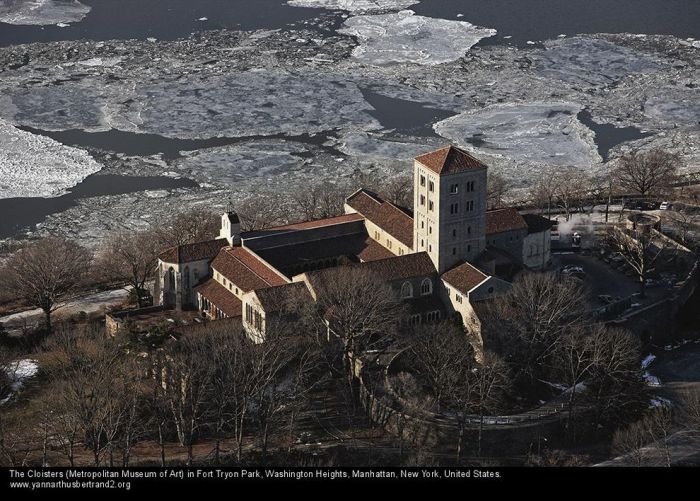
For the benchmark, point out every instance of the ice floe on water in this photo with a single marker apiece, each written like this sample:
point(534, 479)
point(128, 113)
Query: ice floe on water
point(675, 108)
point(355, 5)
point(42, 12)
point(37, 166)
point(403, 37)
point(540, 133)
point(591, 61)
point(365, 145)
point(229, 164)
point(242, 104)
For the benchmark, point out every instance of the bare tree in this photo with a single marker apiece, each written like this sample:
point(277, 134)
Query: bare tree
point(187, 379)
point(595, 355)
point(399, 190)
point(615, 390)
point(45, 271)
point(93, 391)
point(498, 188)
point(639, 248)
point(194, 225)
point(544, 189)
point(630, 442)
point(571, 191)
point(444, 362)
point(287, 374)
point(129, 258)
point(437, 348)
point(690, 411)
point(359, 309)
point(646, 441)
point(526, 324)
point(647, 172)
point(261, 211)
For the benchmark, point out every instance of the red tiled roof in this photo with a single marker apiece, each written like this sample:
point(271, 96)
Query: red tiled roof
point(448, 160)
point(373, 251)
point(500, 220)
point(537, 224)
point(306, 225)
point(388, 270)
point(220, 297)
point(464, 277)
point(282, 297)
point(386, 215)
point(245, 270)
point(193, 252)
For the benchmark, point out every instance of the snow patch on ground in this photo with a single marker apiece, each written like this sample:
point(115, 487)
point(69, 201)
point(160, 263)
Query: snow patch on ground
point(355, 5)
point(648, 360)
point(42, 12)
point(539, 133)
point(590, 61)
point(404, 37)
point(19, 372)
point(660, 402)
point(651, 380)
point(37, 166)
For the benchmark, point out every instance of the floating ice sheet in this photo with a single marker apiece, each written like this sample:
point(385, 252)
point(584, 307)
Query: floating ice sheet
point(367, 146)
point(42, 12)
point(236, 105)
point(404, 37)
point(679, 107)
point(542, 133)
point(355, 5)
point(36, 166)
point(229, 164)
point(590, 61)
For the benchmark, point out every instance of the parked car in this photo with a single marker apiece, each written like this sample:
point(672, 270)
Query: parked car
point(665, 206)
point(641, 205)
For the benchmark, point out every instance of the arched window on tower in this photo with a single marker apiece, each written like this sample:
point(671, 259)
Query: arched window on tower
point(426, 287)
point(406, 290)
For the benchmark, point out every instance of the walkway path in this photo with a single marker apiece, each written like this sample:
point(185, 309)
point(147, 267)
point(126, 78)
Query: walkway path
point(91, 303)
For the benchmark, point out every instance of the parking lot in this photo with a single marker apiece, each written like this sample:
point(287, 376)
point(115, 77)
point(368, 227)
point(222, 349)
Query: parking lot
point(604, 280)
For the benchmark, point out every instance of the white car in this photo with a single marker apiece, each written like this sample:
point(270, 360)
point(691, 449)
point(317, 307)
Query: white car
point(664, 206)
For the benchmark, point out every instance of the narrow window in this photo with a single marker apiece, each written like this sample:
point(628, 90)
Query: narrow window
point(430, 205)
point(454, 233)
point(454, 251)
point(431, 186)
point(422, 199)
point(454, 188)
point(469, 230)
point(430, 230)
point(426, 287)
point(406, 290)
point(422, 180)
